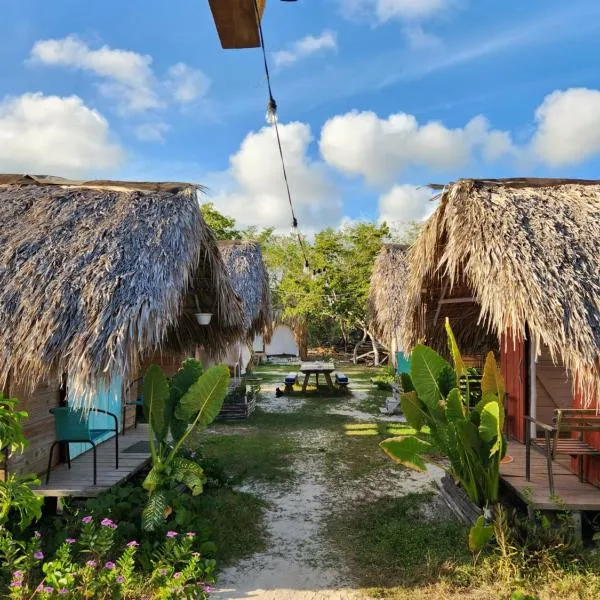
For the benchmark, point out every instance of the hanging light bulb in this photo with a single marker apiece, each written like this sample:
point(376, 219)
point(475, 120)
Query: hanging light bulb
point(271, 115)
point(294, 227)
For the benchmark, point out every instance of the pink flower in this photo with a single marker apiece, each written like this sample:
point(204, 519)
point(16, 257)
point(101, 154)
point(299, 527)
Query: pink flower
point(16, 584)
point(109, 565)
point(133, 544)
point(37, 535)
point(48, 589)
point(162, 572)
point(191, 534)
point(92, 563)
point(63, 591)
point(40, 587)
point(120, 579)
point(38, 555)
point(18, 575)
point(87, 520)
point(176, 575)
point(207, 588)
point(70, 540)
point(108, 523)
point(172, 534)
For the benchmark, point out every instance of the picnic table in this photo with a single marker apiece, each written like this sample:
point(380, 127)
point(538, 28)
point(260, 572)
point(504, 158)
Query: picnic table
point(317, 368)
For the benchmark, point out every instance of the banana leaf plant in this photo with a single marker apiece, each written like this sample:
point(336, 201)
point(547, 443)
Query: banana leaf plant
point(189, 402)
point(471, 438)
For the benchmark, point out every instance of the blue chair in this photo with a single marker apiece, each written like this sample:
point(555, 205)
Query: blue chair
point(73, 427)
point(290, 380)
point(342, 379)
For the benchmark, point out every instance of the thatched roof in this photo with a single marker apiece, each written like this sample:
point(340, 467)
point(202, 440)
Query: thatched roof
point(527, 252)
point(93, 275)
point(250, 281)
point(387, 293)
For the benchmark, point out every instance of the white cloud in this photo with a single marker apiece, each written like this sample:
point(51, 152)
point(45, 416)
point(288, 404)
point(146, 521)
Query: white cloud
point(361, 143)
point(305, 47)
point(187, 84)
point(256, 193)
point(151, 132)
point(419, 39)
point(386, 10)
point(568, 127)
point(127, 75)
point(405, 203)
point(57, 136)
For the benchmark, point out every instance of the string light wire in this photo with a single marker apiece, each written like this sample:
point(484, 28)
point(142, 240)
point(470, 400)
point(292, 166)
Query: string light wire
point(272, 110)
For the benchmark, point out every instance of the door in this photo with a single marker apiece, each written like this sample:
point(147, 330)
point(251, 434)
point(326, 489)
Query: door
point(106, 399)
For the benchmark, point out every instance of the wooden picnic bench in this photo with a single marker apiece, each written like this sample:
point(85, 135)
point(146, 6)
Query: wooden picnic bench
point(317, 368)
point(559, 439)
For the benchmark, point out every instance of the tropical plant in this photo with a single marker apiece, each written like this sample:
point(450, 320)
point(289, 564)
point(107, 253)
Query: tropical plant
point(472, 438)
point(189, 402)
point(12, 440)
point(17, 499)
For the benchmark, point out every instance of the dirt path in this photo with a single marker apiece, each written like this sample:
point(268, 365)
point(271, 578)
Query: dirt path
point(300, 563)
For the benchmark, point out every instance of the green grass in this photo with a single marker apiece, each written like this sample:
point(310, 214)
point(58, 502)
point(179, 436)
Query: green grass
point(388, 543)
point(260, 456)
point(236, 523)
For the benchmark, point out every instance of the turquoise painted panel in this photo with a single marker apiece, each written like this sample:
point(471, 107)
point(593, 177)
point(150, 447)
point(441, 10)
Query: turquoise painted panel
point(402, 365)
point(107, 399)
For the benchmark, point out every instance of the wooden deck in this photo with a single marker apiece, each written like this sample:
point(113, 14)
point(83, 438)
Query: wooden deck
point(570, 493)
point(78, 481)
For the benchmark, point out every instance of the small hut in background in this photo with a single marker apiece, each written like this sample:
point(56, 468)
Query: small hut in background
point(250, 281)
point(97, 279)
point(515, 265)
point(387, 295)
point(288, 339)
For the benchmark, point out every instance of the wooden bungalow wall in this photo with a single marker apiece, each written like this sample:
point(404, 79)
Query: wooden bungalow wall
point(513, 364)
point(39, 428)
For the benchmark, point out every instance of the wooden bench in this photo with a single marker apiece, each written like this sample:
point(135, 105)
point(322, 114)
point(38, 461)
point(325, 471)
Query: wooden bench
point(558, 438)
point(291, 379)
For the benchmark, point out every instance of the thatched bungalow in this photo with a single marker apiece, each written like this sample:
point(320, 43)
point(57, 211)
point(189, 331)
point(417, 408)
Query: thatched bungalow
point(289, 338)
point(387, 294)
point(97, 278)
point(515, 265)
point(250, 281)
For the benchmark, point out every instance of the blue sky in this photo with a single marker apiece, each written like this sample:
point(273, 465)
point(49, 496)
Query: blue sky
point(376, 98)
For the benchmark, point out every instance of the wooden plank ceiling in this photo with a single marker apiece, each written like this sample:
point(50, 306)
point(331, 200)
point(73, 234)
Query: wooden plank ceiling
point(236, 22)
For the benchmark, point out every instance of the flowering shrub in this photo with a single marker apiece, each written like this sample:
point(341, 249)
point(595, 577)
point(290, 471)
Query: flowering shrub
point(91, 565)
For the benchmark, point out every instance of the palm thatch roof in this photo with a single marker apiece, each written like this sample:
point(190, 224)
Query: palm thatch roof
point(387, 292)
point(250, 281)
point(519, 255)
point(94, 275)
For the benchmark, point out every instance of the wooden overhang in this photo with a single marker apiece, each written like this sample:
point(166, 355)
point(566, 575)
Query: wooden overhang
point(236, 22)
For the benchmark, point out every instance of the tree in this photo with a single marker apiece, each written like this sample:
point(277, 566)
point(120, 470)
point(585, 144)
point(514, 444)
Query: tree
point(223, 227)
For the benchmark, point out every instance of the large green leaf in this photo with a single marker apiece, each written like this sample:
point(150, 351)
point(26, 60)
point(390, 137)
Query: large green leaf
point(178, 428)
point(490, 428)
point(426, 365)
point(189, 473)
point(492, 382)
point(407, 384)
point(479, 535)
point(447, 380)
point(459, 366)
point(407, 451)
point(153, 514)
point(455, 409)
point(156, 395)
point(205, 397)
point(188, 374)
point(412, 408)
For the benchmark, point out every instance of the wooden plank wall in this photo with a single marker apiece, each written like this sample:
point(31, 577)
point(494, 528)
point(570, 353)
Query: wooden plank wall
point(513, 367)
point(39, 428)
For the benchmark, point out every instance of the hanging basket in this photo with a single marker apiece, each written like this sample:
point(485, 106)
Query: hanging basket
point(203, 318)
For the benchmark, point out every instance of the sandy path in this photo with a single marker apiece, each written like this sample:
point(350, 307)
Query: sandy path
point(298, 564)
